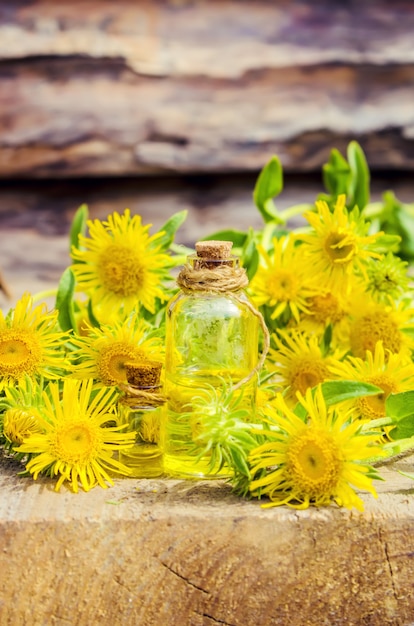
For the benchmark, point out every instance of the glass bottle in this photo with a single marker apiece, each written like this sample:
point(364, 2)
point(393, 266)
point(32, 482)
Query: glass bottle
point(140, 407)
point(211, 337)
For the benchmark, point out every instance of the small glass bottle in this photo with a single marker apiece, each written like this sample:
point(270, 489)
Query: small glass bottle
point(211, 339)
point(140, 407)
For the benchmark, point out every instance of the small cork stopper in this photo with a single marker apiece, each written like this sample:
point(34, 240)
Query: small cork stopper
point(143, 374)
point(214, 249)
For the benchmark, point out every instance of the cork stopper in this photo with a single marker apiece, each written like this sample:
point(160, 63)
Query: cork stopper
point(214, 249)
point(143, 374)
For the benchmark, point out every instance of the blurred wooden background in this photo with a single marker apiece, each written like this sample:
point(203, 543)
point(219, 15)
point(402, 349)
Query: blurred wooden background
point(131, 87)
point(162, 105)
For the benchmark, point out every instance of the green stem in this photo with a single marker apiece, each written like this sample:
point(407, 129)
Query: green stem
point(403, 445)
point(372, 424)
point(180, 250)
point(297, 209)
point(267, 235)
point(399, 449)
point(41, 295)
point(372, 210)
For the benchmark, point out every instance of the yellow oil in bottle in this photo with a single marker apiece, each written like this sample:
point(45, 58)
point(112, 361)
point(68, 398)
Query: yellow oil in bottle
point(144, 459)
point(140, 410)
point(211, 340)
point(182, 427)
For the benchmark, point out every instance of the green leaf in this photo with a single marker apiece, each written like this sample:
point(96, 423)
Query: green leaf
point(157, 319)
point(92, 318)
point(387, 243)
point(335, 173)
point(64, 300)
point(400, 405)
point(404, 428)
point(359, 181)
point(236, 236)
point(335, 391)
point(250, 255)
point(406, 474)
point(270, 231)
point(326, 339)
point(407, 234)
point(170, 228)
point(269, 185)
point(78, 226)
point(300, 411)
point(253, 265)
point(396, 218)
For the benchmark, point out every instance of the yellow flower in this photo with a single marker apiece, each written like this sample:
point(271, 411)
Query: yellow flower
point(392, 375)
point(18, 424)
point(21, 416)
point(265, 393)
point(281, 282)
point(328, 308)
point(102, 354)
point(298, 363)
point(102, 314)
point(372, 322)
point(338, 247)
point(120, 264)
point(325, 307)
point(75, 445)
point(313, 461)
point(30, 343)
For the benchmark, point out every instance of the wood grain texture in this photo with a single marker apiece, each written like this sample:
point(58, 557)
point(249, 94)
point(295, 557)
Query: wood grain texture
point(171, 552)
point(98, 88)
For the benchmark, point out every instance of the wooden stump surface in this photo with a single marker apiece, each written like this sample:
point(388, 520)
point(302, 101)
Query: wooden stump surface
point(161, 552)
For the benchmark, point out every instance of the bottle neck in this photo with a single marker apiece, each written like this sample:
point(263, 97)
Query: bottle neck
point(203, 274)
point(142, 397)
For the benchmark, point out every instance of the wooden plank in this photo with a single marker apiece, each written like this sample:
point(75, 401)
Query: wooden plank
point(4, 288)
point(215, 38)
point(90, 89)
point(160, 552)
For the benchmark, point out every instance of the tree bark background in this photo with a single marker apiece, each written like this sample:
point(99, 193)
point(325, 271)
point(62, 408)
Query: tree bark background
point(165, 105)
point(97, 88)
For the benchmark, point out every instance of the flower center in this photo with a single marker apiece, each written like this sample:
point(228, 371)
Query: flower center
point(387, 276)
point(19, 353)
point(340, 247)
point(76, 442)
point(120, 270)
point(325, 307)
point(307, 374)
point(111, 362)
point(373, 407)
point(385, 283)
point(313, 463)
point(283, 285)
point(377, 326)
